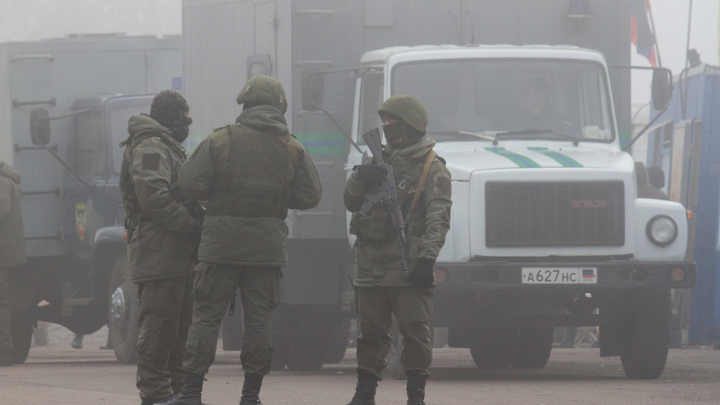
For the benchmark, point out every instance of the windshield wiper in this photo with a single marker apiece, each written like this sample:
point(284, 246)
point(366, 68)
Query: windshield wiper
point(535, 134)
point(479, 135)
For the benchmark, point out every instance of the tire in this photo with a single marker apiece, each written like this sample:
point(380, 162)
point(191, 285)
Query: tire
point(645, 342)
point(338, 342)
point(123, 312)
point(533, 348)
point(308, 353)
point(493, 348)
point(22, 331)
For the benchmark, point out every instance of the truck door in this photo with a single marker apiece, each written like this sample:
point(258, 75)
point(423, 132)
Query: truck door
point(32, 85)
point(84, 203)
point(369, 95)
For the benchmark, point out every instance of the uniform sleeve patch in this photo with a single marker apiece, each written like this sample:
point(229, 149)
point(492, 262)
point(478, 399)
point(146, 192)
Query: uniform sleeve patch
point(151, 161)
point(443, 186)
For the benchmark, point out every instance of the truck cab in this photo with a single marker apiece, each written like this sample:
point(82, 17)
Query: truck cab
point(547, 227)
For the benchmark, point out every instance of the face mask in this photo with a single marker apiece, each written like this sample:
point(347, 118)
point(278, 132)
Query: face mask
point(398, 136)
point(183, 130)
point(395, 134)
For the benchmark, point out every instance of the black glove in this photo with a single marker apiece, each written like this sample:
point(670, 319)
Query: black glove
point(371, 174)
point(422, 276)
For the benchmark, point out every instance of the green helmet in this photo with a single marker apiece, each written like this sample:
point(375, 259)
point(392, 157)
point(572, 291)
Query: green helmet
point(263, 90)
point(408, 108)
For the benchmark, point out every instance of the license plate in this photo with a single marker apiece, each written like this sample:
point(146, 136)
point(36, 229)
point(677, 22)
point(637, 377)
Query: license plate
point(559, 275)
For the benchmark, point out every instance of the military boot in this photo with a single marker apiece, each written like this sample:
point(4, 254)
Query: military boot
point(365, 389)
point(251, 389)
point(191, 391)
point(416, 388)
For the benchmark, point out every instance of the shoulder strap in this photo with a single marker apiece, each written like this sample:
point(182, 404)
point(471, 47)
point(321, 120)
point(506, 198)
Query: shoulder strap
point(287, 143)
point(421, 182)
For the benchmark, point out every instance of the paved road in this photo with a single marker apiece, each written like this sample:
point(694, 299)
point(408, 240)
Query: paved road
point(57, 374)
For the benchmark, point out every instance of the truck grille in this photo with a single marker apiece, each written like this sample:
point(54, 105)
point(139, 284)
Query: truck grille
point(526, 214)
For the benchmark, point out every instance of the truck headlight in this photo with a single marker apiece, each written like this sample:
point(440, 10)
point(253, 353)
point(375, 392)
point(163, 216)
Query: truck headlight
point(661, 230)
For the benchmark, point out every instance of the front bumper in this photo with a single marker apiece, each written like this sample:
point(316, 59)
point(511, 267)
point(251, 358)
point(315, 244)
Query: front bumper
point(497, 275)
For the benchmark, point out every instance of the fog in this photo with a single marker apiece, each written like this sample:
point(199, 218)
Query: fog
point(28, 20)
point(23, 20)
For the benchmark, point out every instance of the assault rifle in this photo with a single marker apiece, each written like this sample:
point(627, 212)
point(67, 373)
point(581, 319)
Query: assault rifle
point(387, 196)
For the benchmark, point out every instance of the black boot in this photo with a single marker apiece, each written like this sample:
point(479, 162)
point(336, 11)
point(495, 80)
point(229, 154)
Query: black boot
point(365, 390)
point(251, 389)
point(191, 391)
point(416, 388)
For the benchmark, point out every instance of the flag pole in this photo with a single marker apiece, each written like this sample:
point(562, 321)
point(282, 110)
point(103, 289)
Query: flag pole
point(687, 47)
point(652, 25)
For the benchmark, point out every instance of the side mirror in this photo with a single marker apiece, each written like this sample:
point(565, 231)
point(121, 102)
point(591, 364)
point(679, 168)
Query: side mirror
point(313, 90)
point(662, 88)
point(40, 126)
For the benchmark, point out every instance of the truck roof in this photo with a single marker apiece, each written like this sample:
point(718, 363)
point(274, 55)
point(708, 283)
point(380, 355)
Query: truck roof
point(474, 51)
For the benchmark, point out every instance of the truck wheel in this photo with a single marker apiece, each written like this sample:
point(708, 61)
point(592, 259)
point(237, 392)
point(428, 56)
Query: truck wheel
point(22, 331)
point(644, 344)
point(308, 353)
point(338, 342)
point(493, 348)
point(533, 348)
point(123, 312)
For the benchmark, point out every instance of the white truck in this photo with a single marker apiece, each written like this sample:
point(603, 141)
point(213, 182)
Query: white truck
point(547, 229)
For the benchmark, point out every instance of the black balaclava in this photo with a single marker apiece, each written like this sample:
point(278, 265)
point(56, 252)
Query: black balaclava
point(168, 109)
point(399, 135)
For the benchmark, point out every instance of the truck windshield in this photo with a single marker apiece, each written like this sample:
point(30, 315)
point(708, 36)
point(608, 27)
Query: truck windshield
point(476, 99)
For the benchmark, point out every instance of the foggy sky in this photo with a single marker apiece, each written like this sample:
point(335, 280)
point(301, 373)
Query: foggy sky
point(22, 20)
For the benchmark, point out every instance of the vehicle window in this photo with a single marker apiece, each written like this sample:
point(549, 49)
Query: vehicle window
point(371, 96)
point(89, 144)
point(567, 97)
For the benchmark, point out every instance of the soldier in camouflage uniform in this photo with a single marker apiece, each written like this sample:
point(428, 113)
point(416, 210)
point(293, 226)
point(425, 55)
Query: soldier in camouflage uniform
point(162, 239)
point(382, 289)
point(12, 251)
point(251, 173)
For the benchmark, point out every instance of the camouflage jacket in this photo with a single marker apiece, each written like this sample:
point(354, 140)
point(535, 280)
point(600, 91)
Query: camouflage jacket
point(12, 232)
point(377, 251)
point(233, 168)
point(164, 240)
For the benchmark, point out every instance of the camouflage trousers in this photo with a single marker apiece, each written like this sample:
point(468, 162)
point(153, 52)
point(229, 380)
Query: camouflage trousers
point(412, 308)
point(215, 285)
point(165, 315)
point(6, 343)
